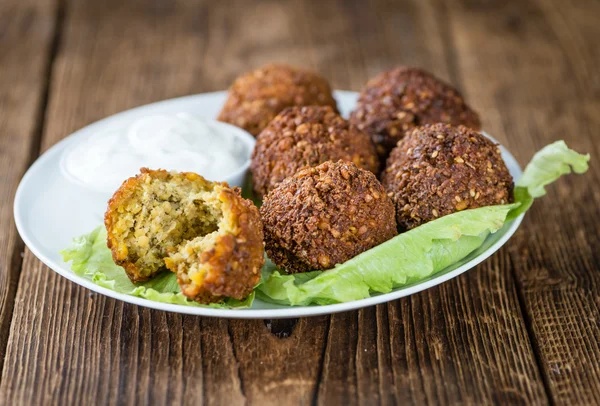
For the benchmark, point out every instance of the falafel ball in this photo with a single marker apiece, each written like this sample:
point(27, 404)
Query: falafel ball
point(203, 231)
point(325, 215)
point(400, 99)
point(300, 137)
point(256, 97)
point(440, 169)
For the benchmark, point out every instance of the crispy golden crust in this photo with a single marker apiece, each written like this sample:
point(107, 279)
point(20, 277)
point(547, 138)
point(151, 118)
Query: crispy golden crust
point(255, 98)
point(233, 264)
point(325, 215)
point(300, 137)
point(226, 243)
point(439, 169)
point(400, 99)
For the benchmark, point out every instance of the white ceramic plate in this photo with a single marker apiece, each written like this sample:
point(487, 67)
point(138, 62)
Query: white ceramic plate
point(50, 210)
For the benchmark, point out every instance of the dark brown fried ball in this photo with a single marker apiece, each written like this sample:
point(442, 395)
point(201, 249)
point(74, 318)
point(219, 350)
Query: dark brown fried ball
point(300, 137)
point(400, 99)
point(324, 216)
point(201, 230)
point(255, 98)
point(439, 169)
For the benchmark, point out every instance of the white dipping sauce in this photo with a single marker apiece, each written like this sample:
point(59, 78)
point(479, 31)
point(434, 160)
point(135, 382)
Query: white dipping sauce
point(164, 141)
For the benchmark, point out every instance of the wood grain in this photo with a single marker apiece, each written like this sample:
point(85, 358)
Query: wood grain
point(424, 353)
point(544, 90)
point(283, 370)
point(69, 346)
point(23, 82)
point(519, 329)
point(76, 347)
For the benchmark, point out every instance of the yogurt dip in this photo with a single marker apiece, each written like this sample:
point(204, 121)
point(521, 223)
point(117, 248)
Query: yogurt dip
point(179, 141)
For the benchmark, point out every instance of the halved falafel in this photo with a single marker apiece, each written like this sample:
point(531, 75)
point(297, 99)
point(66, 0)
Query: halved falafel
point(400, 99)
point(256, 97)
point(204, 231)
point(300, 137)
point(325, 215)
point(440, 169)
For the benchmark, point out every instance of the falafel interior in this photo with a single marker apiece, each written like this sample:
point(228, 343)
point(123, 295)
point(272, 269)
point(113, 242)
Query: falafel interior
point(178, 220)
point(227, 262)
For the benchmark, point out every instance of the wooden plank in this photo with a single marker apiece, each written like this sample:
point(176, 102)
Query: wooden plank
point(543, 56)
point(27, 29)
point(76, 347)
point(463, 342)
point(279, 359)
point(67, 345)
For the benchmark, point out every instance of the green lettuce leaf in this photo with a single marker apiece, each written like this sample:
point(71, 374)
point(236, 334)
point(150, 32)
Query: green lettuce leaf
point(423, 251)
point(546, 166)
point(401, 261)
point(92, 259)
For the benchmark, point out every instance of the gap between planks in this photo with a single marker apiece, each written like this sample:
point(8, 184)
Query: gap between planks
point(17, 254)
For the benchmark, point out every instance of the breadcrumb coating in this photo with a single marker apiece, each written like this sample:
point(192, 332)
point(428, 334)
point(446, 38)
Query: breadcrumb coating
point(256, 97)
point(440, 169)
point(300, 137)
point(398, 100)
point(325, 215)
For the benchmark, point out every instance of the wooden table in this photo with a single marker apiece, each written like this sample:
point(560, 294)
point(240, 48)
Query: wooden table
point(523, 327)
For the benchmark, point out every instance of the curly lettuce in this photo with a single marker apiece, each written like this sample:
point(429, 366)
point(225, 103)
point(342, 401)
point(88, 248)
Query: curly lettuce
point(423, 251)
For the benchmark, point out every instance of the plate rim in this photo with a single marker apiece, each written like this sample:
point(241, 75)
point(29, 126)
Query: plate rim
point(281, 312)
